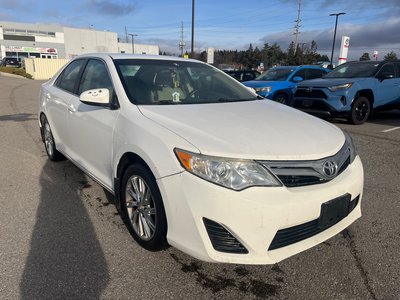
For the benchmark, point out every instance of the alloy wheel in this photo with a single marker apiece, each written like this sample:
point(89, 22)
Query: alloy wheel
point(48, 139)
point(140, 207)
point(362, 111)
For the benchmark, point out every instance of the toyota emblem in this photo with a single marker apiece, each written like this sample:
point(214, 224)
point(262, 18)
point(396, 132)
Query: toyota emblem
point(329, 168)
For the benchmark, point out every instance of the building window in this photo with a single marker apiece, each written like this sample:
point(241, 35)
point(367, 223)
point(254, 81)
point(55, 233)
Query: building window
point(19, 38)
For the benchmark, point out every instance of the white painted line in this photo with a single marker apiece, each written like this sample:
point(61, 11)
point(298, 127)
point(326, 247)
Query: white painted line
point(391, 129)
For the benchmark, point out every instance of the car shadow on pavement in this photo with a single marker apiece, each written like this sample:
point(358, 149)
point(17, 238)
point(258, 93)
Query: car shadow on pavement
point(65, 259)
point(389, 118)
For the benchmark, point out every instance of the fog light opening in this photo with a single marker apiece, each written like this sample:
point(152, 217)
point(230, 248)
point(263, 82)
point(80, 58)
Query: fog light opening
point(343, 100)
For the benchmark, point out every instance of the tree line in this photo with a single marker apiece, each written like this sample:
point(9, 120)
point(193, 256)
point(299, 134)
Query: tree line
point(268, 55)
point(272, 55)
point(389, 56)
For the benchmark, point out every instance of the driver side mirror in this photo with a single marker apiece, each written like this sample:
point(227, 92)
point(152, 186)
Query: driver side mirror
point(297, 79)
point(384, 76)
point(99, 97)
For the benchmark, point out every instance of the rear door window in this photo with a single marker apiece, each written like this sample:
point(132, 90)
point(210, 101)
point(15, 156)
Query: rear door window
point(68, 79)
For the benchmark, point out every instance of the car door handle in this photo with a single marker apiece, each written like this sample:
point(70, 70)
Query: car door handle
point(71, 108)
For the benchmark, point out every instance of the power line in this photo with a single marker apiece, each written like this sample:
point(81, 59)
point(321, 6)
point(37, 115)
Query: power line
point(182, 43)
point(297, 28)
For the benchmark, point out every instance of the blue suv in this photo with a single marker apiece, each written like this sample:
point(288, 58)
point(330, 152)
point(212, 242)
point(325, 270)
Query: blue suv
point(278, 82)
point(352, 90)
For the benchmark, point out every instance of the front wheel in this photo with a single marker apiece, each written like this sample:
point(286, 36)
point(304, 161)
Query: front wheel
point(142, 208)
point(282, 98)
point(360, 111)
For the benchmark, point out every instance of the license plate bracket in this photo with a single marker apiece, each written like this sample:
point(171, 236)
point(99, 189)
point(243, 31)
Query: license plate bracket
point(333, 211)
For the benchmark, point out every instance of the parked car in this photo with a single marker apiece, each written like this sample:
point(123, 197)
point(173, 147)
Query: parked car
point(352, 90)
point(194, 159)
point(243, 75)
point(11, 62)
point(278, 83)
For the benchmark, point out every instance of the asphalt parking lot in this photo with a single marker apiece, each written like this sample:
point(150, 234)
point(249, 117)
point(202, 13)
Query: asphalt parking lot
point(61, 236)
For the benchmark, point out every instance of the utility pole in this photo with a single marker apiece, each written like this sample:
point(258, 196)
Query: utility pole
point(334, 34)
point(182, 43)
point(192, 46)
point(297, 28)
point(126, 35)
point(133, 41)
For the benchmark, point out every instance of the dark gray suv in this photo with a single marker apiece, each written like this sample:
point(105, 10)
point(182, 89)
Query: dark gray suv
point(352, 90)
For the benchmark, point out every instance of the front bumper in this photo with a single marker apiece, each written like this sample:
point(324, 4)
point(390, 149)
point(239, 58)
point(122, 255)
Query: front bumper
point(253, 216)
point(322, 102)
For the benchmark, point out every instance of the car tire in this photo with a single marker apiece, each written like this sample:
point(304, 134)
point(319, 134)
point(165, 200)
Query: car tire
point(360, 111)
point(142, 208)
point(49, 143)
point(282, 98)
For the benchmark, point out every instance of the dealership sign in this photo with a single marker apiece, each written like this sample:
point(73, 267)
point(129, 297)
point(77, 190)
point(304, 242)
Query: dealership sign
point(30, 49)
point(344, 49)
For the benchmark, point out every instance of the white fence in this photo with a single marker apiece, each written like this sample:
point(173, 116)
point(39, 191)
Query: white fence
point(43, 68)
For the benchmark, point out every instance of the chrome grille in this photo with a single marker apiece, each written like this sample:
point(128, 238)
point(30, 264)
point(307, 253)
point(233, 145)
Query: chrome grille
point(308, 172)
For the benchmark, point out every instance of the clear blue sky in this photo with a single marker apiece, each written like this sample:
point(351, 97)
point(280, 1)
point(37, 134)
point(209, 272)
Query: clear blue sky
point(225, 24)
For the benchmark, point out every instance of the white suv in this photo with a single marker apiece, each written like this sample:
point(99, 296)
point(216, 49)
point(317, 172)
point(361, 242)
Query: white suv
point(195, 159)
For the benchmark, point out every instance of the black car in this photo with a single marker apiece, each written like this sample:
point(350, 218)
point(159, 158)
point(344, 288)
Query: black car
point(10, 62)
point(243, 75)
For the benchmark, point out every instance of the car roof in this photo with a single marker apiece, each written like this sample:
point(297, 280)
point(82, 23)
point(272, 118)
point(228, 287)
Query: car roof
point(372, 62)
point(298, 67)
point(137, 56)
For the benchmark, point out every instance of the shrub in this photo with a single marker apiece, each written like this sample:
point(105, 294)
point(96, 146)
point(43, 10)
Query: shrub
point(16, 71)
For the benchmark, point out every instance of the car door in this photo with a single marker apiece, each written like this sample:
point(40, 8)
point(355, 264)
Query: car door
point(90, 127)
point(57, 97)
point(386, 90)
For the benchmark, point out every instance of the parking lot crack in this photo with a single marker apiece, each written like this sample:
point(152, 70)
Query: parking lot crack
point(364, 273)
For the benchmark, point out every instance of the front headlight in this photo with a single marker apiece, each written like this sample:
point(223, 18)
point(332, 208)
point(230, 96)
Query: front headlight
point(350, 144)
point(230, 173)
point(340, 87)
point(263, 89)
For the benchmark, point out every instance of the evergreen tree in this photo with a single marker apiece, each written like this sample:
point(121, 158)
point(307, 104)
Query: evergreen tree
point(365, 56)
point(390, 56)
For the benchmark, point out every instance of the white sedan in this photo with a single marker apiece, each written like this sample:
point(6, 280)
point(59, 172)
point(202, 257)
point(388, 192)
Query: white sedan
point(196, 160)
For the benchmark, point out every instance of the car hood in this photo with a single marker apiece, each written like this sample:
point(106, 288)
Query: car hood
point(322, 82)
point(260, 83)
point(260, 129)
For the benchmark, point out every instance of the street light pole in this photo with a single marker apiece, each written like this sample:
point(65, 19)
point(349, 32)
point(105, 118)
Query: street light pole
point(334, 34)
point(192, 46)
point(133, 42)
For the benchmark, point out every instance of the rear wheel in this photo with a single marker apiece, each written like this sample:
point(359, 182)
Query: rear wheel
point(143, 209)
point(49, 142)
point(282, 98)
point(360, 111)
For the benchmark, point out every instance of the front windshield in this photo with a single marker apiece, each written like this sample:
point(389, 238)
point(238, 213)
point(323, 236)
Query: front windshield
point(275, 74)
point(158, 82)
point(353, 70)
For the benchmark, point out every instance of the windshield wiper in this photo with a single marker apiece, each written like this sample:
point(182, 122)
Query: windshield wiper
point(166, 102)
point(235, 100)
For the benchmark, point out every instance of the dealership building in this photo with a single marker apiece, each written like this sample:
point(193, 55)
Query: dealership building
point(55, 41)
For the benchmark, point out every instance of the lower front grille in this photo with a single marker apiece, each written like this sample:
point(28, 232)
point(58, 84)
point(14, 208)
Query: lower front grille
point(291, 235)
point(222, 240)
point(293, 181)
point(310, 93)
